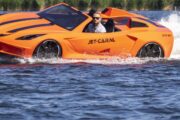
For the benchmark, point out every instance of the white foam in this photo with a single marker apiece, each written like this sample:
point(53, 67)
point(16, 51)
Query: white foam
point(111, 61)
point(173, 23)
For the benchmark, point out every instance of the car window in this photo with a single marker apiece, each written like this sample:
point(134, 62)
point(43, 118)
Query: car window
point(64, 16)
point(151, 22)
point(135, 24)
point(122, 21)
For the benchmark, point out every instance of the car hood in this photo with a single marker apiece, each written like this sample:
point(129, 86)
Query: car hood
point(17, 22)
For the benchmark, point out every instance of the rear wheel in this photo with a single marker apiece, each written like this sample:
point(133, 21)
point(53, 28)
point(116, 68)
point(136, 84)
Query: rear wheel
point(48, 49)
point(151, 50)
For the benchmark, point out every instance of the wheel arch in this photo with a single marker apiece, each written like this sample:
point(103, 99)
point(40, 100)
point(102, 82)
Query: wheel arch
point(140, 44)
point(48, 39)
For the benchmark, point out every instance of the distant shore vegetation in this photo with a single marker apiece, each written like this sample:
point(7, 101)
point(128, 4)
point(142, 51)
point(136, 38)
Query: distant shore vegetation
point(34, 5)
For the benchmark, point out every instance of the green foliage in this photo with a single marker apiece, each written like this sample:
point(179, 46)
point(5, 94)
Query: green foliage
point(95, 4)
point(83, 4)
point(9, 4)
point(31, 5)
point(177, 3)
point(155, 4)
point(139, 4)
point(117, 3)
point(86, 4)
point(130, 4)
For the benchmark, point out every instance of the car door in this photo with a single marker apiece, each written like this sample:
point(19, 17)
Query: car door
point(115, 43)
point(92, 43)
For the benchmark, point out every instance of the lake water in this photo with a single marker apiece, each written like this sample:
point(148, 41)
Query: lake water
point(114, 89)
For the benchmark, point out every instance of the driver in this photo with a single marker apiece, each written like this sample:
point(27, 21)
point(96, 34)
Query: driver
point(96, 26)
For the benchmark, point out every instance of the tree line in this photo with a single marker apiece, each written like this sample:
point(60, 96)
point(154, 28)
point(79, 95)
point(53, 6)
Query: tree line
point(34, 5)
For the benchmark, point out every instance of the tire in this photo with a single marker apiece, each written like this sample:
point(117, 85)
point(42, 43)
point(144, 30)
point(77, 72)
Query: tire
point(48, 49)
point(151, 50)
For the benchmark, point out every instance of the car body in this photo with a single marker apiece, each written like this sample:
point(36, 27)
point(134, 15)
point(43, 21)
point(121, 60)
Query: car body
point(59, 31)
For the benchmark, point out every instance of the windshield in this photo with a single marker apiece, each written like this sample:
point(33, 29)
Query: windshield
point(64, 16)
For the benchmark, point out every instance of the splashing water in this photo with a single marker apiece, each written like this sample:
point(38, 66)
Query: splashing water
point(173, 23)
point(110, 61)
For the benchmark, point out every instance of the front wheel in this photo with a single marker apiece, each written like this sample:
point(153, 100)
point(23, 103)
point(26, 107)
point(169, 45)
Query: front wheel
point(151, 50)
point(48, 49)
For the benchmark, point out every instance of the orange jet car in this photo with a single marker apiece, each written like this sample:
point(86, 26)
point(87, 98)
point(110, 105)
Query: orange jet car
point(59, 31)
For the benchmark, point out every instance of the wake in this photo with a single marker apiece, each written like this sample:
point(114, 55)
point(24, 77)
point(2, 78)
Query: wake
point(173, 23)
point(111, 61)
